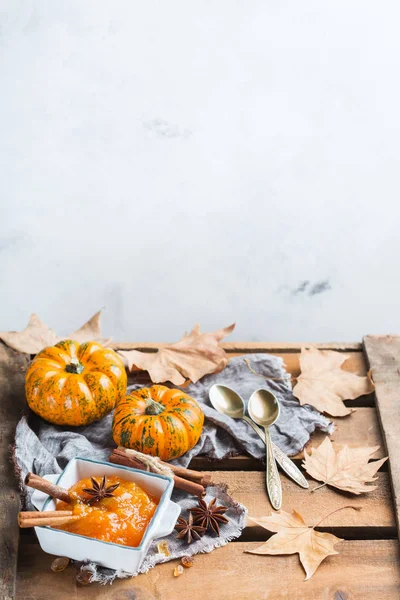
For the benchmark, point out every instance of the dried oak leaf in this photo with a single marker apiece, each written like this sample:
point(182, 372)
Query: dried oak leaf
point(324, 384)
point(195, 355)
point(37, 335)
point(294, 536)
point(347, 469)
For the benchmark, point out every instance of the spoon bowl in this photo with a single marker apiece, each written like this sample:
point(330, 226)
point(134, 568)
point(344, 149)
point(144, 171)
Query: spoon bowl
point(227, 401)
point(263, 408)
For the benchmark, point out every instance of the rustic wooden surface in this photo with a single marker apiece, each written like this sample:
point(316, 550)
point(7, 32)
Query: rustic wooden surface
point(364, 570)
point(12, 401)
point(368, 563)
point(244, 347)
point(383, 356)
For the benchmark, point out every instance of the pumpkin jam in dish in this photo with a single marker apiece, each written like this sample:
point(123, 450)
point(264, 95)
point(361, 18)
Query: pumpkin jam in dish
point(113, 510)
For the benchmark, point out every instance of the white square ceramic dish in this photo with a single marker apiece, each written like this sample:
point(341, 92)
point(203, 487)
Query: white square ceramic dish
point(107, 554)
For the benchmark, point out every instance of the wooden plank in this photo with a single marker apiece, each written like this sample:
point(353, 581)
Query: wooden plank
point(376, 510)
point(362, 570)
point(12, 401)
point(361, 428)
point(355, 362)
point(243, 347)
point(382, 350)
point(383, 355)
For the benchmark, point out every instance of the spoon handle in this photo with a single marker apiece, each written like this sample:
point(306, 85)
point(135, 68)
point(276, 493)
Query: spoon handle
point(283, 461)
point(274, 486)
point(256, 428)
point(289, 467)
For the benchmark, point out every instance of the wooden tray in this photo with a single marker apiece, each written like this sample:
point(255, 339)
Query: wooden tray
point(368, 564)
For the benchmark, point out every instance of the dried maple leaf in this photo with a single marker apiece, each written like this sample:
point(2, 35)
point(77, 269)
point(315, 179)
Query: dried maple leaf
point(37, 335)
point(347, 469)
point(89, 332)
point(194, 356)
point(294, 536)
point(324, 384)
point(32, 339)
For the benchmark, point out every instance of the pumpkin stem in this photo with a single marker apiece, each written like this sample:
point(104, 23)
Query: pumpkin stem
point(153, 407)
point(74, 366)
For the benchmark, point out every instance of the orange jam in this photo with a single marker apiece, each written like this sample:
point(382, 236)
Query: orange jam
point(121, 519)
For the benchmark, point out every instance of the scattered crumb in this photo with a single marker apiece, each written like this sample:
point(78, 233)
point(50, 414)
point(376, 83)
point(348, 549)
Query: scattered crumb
point(83, 577)
point(59, 564)
point(162, 548)
point(187, 561)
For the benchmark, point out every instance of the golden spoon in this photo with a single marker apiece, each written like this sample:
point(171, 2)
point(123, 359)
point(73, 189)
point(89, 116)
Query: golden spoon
point(264, 410)
point(228, 402)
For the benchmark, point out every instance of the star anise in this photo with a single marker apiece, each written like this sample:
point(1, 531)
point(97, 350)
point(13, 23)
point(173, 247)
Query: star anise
point(100, 490)
point(187, 529)
point(209, 516)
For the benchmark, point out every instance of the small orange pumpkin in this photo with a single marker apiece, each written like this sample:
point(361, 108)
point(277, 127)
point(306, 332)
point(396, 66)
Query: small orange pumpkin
point(158, 421)
point(75, 384)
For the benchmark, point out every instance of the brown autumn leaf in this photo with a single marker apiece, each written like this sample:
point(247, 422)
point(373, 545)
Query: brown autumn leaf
point(195, 355)
point(89, 332)
point(324, 384)
point(32, 339)
point(294, 536)
point(347, 469)
point(37, 335)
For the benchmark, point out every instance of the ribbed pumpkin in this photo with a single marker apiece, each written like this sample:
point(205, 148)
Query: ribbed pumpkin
point(158, 421)
point(75, 384)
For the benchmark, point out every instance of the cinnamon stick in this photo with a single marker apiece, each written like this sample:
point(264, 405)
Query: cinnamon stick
point(52, 521)
point(122, 458)
point(55, 491)
point(37, 514)
point(203, 479)
point(191, 487)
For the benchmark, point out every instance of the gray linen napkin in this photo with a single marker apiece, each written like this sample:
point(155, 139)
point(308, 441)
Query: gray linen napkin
point(223, 436)
point(44, 448)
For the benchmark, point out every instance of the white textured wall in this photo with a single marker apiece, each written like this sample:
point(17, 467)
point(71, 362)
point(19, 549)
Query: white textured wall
point(200, 161)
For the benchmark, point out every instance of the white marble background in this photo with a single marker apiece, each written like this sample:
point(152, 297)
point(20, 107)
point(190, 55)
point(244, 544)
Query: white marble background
point(201, 161)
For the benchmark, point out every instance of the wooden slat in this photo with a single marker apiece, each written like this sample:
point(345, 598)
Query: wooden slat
point(383, 354)
point(12, 399)
point(382, 350)
point(355, 362)
point(248, 488)
point(363, 570)
point(243, 347)
point(361, 428)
